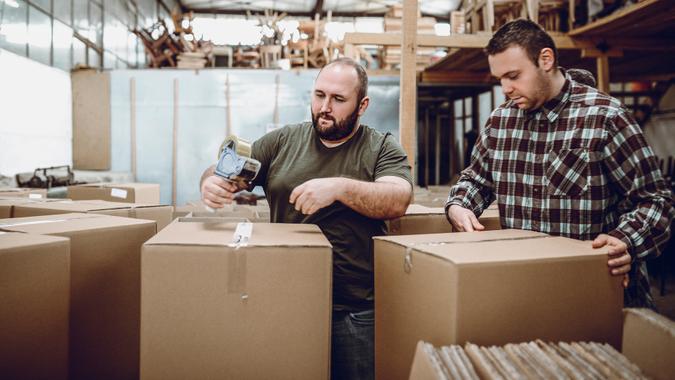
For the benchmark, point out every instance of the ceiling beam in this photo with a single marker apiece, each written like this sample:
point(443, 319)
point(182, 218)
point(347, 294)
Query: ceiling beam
point(466, 41)
point(309, 14)
point(468, 77)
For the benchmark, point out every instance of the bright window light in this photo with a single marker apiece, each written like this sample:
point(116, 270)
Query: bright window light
point(223, 31)
point(442, 29)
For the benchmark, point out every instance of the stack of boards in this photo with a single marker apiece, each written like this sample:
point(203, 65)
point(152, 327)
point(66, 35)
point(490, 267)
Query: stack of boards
point(532, 360)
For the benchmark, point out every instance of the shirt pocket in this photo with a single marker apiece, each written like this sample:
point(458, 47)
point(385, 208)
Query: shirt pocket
point(567, 172)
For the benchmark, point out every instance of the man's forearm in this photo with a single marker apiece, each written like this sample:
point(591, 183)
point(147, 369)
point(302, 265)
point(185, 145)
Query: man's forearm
point(377, 200)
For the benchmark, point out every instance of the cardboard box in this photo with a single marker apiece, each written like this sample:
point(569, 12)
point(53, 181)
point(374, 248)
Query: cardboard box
point(91, 119)
point(256, 214)
point(105, 270)
point(489, 288)
point(211, 310)
point(35, 293)
point(146, 193)
point(23, 192)
point(7, 204)
point(420, 219)
point(649, 342)
point(159, 213)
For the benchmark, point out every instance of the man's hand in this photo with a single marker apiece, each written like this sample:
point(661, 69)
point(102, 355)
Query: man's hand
point(463, 220)
point(217, 192)
point(316, 194)
point(619, 259)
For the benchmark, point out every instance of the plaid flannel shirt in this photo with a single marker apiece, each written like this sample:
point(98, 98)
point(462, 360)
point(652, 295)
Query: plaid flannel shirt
point(577, 167)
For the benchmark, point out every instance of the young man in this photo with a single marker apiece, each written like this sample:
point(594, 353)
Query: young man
point(562, 158)
point(346, 178)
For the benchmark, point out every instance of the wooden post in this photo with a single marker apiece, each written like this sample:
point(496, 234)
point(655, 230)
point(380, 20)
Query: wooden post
point(437, 138)
point(228, 107)
point(603, 73)
point(174, 150)
point(408, 100)
point(132, 114)
point(602, 62)
point(275, 119)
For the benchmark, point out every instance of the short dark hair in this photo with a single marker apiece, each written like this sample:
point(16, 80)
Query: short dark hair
point(524, 33)
point(362, 89)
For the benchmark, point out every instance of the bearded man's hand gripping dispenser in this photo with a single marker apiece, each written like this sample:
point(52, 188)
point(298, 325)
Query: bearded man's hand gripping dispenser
point(235, 163)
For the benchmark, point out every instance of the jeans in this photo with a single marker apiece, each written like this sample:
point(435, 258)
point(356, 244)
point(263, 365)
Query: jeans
point(352, 345)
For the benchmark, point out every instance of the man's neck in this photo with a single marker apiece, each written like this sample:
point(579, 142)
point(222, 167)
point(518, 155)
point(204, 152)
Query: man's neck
point(557, 84)
point(333, 144)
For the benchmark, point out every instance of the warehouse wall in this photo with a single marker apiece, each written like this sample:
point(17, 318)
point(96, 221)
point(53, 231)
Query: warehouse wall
point(259, 100)
point(68, 33)
point(660, 130)
point(35, 115)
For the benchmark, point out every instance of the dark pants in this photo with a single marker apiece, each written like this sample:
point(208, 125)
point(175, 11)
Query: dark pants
point(352, 348)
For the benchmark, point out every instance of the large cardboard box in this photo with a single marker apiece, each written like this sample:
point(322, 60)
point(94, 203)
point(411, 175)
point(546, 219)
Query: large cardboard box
point(34, 292)
point(91, 119)
point(212, 309)
point(489, 288)
point(420, 219)
point(159, 213)
point(23, 192)
point(649, 342)
point(105, 270)
point(7, 204)
point(146, 193)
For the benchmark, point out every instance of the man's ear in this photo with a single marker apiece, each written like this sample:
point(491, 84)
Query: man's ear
point(363, 105)
point(547, 59)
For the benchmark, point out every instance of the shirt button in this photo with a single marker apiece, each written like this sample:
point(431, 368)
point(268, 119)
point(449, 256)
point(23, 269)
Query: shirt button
point(536, 189)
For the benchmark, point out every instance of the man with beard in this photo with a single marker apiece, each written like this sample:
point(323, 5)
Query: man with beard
point(560, 157)
point(344, 177)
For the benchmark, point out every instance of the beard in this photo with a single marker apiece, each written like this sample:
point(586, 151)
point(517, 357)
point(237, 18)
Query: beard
point(538, 95)
point(339, 130)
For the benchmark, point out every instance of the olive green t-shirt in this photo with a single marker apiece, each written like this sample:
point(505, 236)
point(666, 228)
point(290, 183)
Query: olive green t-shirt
point(293, 155)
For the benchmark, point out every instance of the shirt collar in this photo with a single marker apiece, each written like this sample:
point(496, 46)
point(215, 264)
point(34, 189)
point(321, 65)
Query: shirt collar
point(552, 108)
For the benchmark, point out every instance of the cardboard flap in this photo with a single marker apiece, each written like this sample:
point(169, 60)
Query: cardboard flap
point(12, 240)
point(99, 205)
point(460, 237)
point(67, 222)
point(495, 246)
point(184, 231)
point(522, 249)
point(415, 209)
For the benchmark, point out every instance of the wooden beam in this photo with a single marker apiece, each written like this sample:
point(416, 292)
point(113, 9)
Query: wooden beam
point(633, 11)
point(451, 76)
point(603, 73)
point(174, 148)
point(596, 53)
point(408, 83)
point(468, 41)
point(132, 132)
